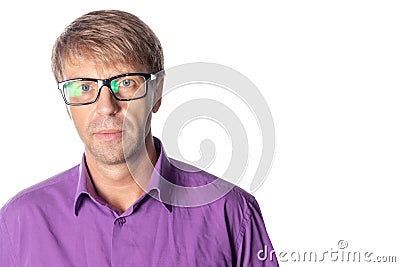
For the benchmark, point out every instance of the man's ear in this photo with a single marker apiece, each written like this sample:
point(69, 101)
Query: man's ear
point(158, 93)
point(157, 105)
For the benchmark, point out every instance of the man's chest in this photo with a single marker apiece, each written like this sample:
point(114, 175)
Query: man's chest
point(161, 240)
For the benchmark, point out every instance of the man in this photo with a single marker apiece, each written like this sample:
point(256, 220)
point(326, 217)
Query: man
point(118, 208)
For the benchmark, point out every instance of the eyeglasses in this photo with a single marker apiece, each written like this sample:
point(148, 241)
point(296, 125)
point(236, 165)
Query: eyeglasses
point(123, 87)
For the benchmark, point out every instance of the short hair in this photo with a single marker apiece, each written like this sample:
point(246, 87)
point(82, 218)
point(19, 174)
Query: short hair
point(108, 37)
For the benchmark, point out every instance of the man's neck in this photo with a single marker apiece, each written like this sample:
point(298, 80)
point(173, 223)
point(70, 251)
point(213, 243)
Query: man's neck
point(119, 185)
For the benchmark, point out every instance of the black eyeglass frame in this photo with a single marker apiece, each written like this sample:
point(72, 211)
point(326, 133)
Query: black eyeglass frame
point(107, 83)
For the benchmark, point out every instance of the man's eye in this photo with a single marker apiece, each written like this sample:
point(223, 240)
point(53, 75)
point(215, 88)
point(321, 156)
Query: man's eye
point(126, 83)
point(85, 87)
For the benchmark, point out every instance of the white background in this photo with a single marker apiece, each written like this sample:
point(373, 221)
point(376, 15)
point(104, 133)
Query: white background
point(329, 71)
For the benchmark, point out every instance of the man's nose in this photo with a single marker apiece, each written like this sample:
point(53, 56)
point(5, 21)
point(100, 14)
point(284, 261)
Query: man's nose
point(106, 104)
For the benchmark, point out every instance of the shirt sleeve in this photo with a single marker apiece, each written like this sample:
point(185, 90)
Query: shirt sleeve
point(253, 246)
point(6, 255)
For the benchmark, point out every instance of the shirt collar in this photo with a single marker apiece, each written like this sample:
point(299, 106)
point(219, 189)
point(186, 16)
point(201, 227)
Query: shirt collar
point(155, 186)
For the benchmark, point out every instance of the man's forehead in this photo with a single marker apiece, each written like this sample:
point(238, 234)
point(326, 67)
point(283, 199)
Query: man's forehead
point(87, 68)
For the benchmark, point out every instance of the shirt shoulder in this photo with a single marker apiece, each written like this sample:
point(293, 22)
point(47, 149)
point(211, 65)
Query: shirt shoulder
point(220, 197)
point(52, 190)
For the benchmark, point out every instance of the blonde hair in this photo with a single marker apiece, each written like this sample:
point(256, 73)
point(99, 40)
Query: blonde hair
point(108, 37)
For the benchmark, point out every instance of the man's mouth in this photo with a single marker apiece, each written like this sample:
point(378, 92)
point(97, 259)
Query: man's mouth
point(108, 135)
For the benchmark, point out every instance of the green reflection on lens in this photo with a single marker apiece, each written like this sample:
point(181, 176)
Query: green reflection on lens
point(114, 87)
point(74, 89)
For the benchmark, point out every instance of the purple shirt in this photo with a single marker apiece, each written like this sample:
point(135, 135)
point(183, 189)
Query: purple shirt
point(63, 222)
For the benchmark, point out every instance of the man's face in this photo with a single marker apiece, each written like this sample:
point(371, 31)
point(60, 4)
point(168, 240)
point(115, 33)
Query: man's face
point(101, 124)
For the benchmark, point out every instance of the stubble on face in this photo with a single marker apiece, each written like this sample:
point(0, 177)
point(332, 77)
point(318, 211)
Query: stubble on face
point(105, 151)
point(129, 145)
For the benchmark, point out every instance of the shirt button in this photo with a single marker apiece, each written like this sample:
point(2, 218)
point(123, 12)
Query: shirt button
point(121, 221)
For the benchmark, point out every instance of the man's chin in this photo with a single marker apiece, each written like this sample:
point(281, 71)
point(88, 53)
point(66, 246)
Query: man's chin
point(115, 151)
point(110, 159)
point(109, 154)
